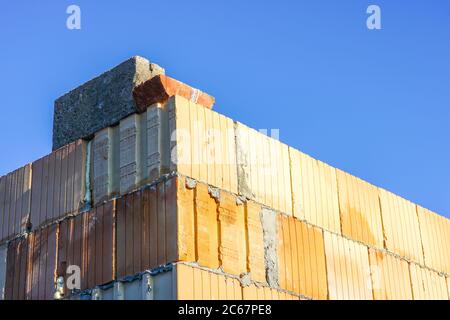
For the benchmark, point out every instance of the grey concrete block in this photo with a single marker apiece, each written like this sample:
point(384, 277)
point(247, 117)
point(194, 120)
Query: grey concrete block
point(100, 102)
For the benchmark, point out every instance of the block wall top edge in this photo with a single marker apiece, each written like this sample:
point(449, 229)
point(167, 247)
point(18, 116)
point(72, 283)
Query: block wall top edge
point(135, 60)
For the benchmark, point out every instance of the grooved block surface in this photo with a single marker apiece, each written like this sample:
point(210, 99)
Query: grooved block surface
point(390, 276)
point(3, 254)
point(314, 191)
point(58, 183)
point(359, 210)
point(207, 237)
point(301, 258)
point(348, 270)
point(255, 242)
point(197, 284)
point(186, 221)
point(15, 198)
point(427, 284)
point(253, 292)
point(147, 228)
point(435, 234)
point(263, 169)
point(232, 235)
point(202, 144)
point(401, 226)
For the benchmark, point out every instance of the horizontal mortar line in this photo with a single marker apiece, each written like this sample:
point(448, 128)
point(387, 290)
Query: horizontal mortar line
point(172, 174)
point(169, 267)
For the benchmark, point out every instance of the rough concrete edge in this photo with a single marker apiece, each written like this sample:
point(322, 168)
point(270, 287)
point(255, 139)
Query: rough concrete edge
point(135, 59)
point(241, 163)
point(269, 225)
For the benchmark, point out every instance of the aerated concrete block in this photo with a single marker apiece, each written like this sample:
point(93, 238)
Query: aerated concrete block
point(100, 102)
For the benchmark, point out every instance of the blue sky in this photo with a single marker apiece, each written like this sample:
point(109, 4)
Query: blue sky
point(374, 103)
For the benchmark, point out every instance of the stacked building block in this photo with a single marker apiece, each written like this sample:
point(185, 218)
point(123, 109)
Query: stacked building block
point(173, 196)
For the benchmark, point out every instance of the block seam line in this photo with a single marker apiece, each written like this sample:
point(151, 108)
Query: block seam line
point(420, 232)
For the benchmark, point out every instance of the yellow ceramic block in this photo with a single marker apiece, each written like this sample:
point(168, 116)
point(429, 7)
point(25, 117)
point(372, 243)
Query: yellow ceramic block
point(301, 262)
point(448, 287)
point(314, 191)
point(390, 276)
point(263, 169)
point(360, 210)
point(427, 284)
point(401, 226)
point(202, 144)
point(206, 228)
point(197, 284)
point(435, 231)
point(255, 241)
point(186, 223)
point(232, 235)
point(348, 270)
point(253, 292)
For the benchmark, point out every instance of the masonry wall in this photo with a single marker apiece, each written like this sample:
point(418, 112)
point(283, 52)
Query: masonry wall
point(178, 182)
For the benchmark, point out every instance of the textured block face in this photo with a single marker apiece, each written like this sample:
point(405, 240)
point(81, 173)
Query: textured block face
point(132, 151)
point(435, 231)
point(100, 102)
point(202, 144)
point(147, 229)
point(16, 269)
point(197, 284)
point(58, 183)
point(186, 220)
point(314, 191)
point(348, 270)
point(390, 277)
point(40, 273)
point(427, 284)
point(87, 241)
point(253, 292)
point(401, 226)
point(105, 164)
point(206, 227)
point(301, 258)
point(255, 240)
point(232, 235)
point(15, 198)
point(263, 169)
point(359, 209)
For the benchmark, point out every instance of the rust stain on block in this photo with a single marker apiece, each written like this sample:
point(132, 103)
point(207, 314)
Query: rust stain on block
point(160, 88)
